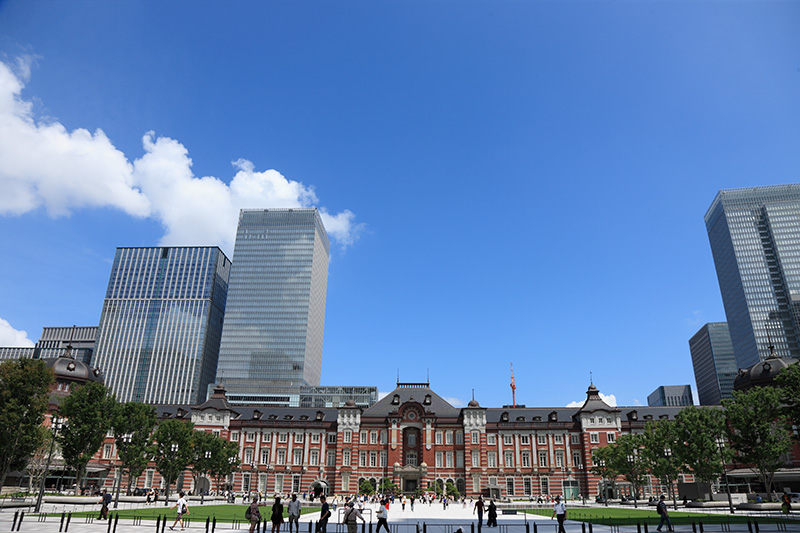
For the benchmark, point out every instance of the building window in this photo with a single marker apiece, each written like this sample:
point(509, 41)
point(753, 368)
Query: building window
point(314, 458)
point(559, 459)
point(508, 439)
point(281, 457)
point(526, 486)
point(283, 437)
point(541, 439)
point(279, 483)
point(373, 459)
point(611, 437)
point(296, 484)
point(448, 437)
point(246, 482)
point(558, 439)
point(331, 460)
point(448, 460)
point(315, 438)
point(266, 437)
point(373, 437)
point(591, 420)
point(543, 459)
point(234, 436)
point(331, 438)
point(348, 436)
point(524, 439)
point(576, 458)
point(148, 479)
point(575, 438)
point(438, 459)
point(459, 437)
point(383, 459)
point(362, 459)
point(438, 437)
point(526, 460)
point(298, 438)
point(491, 440)
point(545, 485)
point(594, 438)
point(510, 486)
point(298, 457)
point(107, 451)
point(384, 437)
point(362, 438)
point(476, 437)
point(491, 459)
point(248, 456)
point(509, 459)
point(346, 458)
point(476, 459)
point(476, 484)
point(459, 459)
point(250, 436)
point(411, 459)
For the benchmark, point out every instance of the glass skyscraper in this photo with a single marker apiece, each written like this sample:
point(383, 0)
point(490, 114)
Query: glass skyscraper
point(275, 315)
point(714, 363)
point(159, 333)
point(755, 241)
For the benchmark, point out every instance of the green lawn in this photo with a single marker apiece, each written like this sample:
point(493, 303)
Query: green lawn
point(615, 516)
point(197, 513)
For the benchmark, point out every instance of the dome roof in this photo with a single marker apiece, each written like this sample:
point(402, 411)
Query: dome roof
point(473, 403)
point(762, 373)
point(350, 403)
point(69, 369)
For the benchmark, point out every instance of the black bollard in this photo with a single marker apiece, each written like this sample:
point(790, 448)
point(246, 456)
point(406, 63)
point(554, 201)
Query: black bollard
point(645, 527)
point(61, 525)
point(14, 523)
point(158, 522)
point(701, 526)
point(116, 521)
point(364, 526)
point(694, 527)
point(749, 526)
point(69, 517)
point(213, 524)
point(108, 519)
point(21, 516)
point(755, 523)
point(590, 527)
point(424, 527)
point(472, 527)
point(527, 527)
point(535, 528)
point(638, 527)
point(310, 523)
point(583, 527)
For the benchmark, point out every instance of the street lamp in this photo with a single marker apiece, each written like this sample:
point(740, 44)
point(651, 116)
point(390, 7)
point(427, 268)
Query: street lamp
point(668, 455)
point(634, 472)
point(174, 449)
point(207, 455)
point(720, 444)
point(127, 440)
point(602, 464)
point(56, 423)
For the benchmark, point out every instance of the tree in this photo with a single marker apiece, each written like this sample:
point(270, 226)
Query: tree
point(37, 464)
point(386, 486)
point(205, 446)
point(759, 430)
point(789, 380)
point(365, 487)
point(604, 466)
point(659, 443)
point(627, 459)
point(24, 394)
point(133, 425)
point(89, 410)
point(173, 450)
point(696, 432)
point(451, 490)
point(225, 461)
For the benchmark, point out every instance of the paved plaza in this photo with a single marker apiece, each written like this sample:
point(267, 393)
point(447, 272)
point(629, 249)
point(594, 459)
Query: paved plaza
point(434, 517)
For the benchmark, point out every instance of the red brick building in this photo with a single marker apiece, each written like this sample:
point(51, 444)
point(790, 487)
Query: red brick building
point(415, 438)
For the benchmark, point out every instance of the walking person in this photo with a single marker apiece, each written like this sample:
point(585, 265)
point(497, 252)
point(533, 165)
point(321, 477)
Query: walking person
point(661, 508)
point(253, 515)
point(383, 516)
point(105, 499)
point(560, 513)
point(479, 509)
point(491, 520)
point(350, 518)
point(324, 514)
point(277, 516)
point(180, 505)
point(294, 514)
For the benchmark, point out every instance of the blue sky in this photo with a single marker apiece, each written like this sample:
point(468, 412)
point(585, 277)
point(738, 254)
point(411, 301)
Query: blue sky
point(505, 181)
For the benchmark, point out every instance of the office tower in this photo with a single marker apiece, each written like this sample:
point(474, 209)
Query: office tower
point(670, 396)
point(755, 240)
point(160, 328)
point(713, 362)
point(275, 318)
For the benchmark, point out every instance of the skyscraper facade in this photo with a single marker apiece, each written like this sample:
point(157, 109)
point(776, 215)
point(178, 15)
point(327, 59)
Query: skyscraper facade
point(161, 324)
point(670, 396)
point(714, 363)
point(755, 240)
point(275, 315)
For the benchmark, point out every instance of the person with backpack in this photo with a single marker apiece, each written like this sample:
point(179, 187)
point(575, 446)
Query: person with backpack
point(180, 505)
point(661, 509)
point(253, 515)
point(350, 518)
point(105, 500)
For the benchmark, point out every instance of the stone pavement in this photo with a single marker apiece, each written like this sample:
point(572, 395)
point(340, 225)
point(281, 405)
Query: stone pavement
point(435, 518)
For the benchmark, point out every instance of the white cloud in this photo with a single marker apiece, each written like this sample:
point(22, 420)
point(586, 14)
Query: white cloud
point(610, 399)
point(13, 337)
point(46, 166)
point(455, 402)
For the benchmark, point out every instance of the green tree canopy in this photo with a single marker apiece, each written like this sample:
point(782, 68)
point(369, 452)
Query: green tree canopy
point(696, 432)
point(89, 410)
point(451, 490)
point(789, 380)
point(133, 425)
point(659, 440)
point(173, 450)
point(225, 461)
point(206, 448)
point(386, 486)
point(604, 465)
point(365, 487)
point(24, 394)
point(759, 430)
point(627, 459)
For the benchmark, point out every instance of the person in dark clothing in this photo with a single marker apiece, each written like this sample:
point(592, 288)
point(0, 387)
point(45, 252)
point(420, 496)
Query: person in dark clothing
point(661, 508)
point(479, 509)
point(277, 516)
point(324, 514)
point(491, 521)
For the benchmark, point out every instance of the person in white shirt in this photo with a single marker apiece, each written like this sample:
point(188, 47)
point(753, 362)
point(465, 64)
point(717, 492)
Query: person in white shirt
point(182, 510)
point(294, 513)
point(560, 513)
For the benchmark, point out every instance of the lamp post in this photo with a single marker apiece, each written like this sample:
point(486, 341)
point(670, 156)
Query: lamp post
point(602, 464)
point(56, 423)
point(207, 455)
point(127, 440)
point(720, 444)
point(174, 449)
point(634, 471)
point(668, 455)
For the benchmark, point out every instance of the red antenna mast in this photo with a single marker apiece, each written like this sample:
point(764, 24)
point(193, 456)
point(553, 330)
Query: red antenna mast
point(513, 388)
